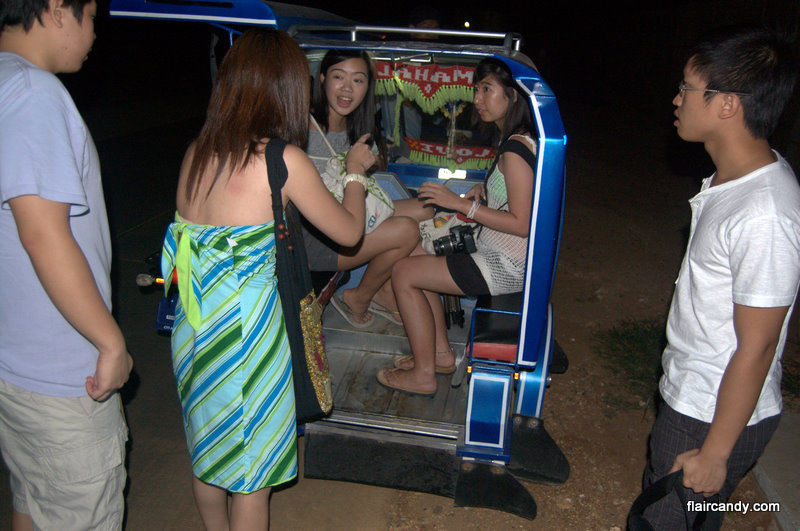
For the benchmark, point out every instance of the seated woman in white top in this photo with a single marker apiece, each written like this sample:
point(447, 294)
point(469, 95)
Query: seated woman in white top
point(502, 208)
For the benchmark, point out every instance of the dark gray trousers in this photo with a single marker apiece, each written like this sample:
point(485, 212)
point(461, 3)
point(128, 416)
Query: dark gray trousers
point(674, 433)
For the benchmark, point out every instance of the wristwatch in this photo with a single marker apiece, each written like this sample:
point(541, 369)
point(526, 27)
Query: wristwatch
point(360, 179)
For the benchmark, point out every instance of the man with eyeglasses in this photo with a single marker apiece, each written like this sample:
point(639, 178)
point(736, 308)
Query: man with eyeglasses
point(739, 278)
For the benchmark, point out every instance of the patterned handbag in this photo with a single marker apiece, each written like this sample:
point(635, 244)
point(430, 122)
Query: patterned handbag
point(302, 311)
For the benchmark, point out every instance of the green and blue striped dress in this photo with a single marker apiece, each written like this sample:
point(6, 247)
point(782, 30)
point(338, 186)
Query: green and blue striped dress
point(231, 355)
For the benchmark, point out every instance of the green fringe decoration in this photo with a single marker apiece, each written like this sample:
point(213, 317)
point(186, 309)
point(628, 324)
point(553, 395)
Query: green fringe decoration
point(411, 91)
point(396, 130)
point(385, 87)
point(439, 98)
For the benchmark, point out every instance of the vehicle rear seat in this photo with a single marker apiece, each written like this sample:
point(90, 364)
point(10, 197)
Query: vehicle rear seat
point(496, 334)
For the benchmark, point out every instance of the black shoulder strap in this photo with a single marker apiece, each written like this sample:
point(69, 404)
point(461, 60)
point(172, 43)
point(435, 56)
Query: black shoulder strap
point(522, 149)
point(515, 146)
point(290, 247)
point(277, 173)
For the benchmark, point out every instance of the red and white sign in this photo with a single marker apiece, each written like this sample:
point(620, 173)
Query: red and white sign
point(429, 78)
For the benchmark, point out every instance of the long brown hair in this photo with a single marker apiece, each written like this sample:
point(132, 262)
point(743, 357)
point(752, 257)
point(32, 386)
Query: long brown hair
point(261, 91)
point(518, 119)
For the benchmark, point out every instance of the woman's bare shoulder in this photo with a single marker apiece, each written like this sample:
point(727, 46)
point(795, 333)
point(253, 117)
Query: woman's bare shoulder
point(296, 159)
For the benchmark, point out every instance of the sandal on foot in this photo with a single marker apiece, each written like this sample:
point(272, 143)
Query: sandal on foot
point(349, 315)
point(386, 313)
point(381, 376)
point(440, 369)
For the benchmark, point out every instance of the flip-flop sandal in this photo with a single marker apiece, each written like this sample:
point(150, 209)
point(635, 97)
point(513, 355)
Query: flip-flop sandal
point(349, 315)
point(386, 313)
point(440, 369)
point(381, 376)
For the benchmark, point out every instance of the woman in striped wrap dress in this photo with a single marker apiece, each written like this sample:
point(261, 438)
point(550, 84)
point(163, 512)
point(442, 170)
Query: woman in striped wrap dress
point(230, 352)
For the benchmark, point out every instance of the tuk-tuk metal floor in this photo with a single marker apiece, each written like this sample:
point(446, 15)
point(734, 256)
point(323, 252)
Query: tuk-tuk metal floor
point(382, 437)
point(356, 355)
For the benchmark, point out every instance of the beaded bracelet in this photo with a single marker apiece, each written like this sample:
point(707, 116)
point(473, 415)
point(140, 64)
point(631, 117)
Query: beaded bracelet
point(360, 179)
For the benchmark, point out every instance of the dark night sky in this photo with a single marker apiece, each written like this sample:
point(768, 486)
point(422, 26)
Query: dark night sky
point(144, 74)
point(596, 52)
point(572, 42)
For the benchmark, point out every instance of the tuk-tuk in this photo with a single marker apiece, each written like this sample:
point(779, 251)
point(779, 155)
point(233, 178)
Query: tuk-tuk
point(483, 431)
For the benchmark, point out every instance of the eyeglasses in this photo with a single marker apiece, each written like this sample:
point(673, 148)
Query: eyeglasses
point(683, 87)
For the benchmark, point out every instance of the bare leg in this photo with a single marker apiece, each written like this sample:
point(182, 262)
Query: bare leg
point(212, 503)
point(417, 280)
point(250, 511)
point(21, 521)
point(413, 208)
point(442, 343)
point(394, 239)
point(385, 297)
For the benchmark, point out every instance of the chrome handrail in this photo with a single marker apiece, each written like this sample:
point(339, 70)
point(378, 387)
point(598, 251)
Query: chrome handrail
point(511, 41)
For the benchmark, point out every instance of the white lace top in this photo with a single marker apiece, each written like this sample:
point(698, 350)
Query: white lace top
point(500, 256)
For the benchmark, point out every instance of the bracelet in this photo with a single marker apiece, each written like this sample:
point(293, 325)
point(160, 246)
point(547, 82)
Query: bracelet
point(360, 179)
point(474, 209)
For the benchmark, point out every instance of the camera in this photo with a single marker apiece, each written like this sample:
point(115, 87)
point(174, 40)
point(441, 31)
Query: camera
point(460, 240)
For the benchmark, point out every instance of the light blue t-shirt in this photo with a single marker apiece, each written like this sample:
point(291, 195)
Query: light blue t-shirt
point(45, 150)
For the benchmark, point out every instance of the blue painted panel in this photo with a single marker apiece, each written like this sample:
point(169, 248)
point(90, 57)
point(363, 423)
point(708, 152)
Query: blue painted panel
point(227, 12)
point(248, 12)
point(532, 383)
point(546, 211)
point(487, 408)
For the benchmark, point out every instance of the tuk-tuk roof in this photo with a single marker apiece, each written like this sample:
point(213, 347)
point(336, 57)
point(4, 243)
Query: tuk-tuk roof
point(239, 12)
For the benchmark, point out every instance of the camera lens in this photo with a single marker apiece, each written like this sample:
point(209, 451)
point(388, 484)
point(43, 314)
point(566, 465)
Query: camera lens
point(444, 245)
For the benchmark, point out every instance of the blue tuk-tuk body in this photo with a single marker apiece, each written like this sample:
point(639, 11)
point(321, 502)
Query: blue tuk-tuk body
point(476, 439)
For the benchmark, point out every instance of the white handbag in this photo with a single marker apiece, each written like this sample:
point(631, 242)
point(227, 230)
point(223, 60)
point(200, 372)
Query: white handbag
point(379, 206)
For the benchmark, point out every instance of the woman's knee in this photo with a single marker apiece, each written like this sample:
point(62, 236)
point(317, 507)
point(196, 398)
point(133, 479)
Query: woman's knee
point(399, 232)
point(403, 272)
point(409, 232)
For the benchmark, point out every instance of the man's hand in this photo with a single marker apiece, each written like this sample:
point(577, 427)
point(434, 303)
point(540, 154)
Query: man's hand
point(703, 474)
point(111, 373)
point(45, 232)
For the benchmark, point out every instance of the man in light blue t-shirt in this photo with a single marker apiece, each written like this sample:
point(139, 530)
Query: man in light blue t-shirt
point(62, 357)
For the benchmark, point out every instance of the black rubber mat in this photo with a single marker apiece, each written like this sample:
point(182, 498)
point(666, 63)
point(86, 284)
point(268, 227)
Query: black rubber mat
point(535, 456)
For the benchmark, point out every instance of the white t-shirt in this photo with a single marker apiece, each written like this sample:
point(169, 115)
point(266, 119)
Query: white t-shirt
point(45, 150)
point(744, 248)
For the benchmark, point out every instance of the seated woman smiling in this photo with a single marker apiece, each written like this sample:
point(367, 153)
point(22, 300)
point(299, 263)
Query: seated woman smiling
point(343, 110)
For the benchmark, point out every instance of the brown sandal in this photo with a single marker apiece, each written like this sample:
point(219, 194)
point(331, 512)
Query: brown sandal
point(381, 376)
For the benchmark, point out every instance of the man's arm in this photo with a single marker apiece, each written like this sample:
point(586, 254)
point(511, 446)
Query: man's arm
point(757, 334)
point(62, 269)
